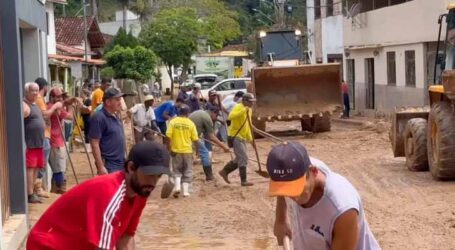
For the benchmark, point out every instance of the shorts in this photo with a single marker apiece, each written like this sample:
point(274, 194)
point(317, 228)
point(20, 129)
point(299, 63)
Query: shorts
point(34, 157)
point(57, 160)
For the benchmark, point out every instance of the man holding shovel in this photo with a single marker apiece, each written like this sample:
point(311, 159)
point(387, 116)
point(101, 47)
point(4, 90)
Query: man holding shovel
point(239, 134)
point(204, 120)
point(103, 212)
point(327, 210)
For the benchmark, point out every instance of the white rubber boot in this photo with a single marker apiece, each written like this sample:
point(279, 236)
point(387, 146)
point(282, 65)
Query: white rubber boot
point(177, 188)
point(89, 148)
point(186, 187)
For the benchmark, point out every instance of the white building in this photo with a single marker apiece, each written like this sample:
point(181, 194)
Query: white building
point(325, 30)
point(389, 51)
point(132, 24)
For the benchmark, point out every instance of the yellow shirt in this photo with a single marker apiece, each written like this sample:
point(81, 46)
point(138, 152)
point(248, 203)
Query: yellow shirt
point(238, 117)
point(97, 98)
point(182, 132)
point(42, 106)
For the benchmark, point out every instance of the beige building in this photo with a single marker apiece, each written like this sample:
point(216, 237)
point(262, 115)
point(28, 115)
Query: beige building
point(389, 51)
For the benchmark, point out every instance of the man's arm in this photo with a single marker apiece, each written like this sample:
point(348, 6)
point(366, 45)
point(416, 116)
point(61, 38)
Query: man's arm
point(215, 140)
point(48, 113)
point(126, 242)
point(346, 231)
point(281, 228)
point(95, 144)
point(26, 109)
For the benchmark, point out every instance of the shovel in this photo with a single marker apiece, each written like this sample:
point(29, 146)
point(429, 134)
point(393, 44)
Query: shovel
point(259, 171)
point(167, 188)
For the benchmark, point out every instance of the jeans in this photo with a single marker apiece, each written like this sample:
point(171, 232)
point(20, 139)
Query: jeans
point(208, 144)
point(346, 104)
point(162, 126)
point(47, 151)
point(204, 154)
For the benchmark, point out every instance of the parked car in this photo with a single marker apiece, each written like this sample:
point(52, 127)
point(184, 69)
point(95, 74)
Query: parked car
point(206, 80)
point(228, 86)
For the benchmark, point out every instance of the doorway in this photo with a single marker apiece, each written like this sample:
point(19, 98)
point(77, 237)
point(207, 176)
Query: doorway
point(369, 83)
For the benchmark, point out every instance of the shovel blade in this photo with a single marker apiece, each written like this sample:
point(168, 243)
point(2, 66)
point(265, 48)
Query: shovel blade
point(166, 191)
point(263, 173)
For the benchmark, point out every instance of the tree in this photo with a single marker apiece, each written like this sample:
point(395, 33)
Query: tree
point(218, 21)
point(135, 63)
point(123, 39)
point(173, 36)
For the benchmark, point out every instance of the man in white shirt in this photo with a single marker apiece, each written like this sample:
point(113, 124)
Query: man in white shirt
point(144, 120)
point(325, 209)
point(228, 104)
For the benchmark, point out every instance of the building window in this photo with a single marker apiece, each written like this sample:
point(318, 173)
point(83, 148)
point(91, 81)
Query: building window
point(329, 8)
point(391, 69)
point(410, 67)
point(317, 9)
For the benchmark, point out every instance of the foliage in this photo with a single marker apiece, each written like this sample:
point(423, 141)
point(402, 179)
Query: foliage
point(218, 22)
point(108, 73)
point(122, 39)
point(133, 63)
point(173, 35)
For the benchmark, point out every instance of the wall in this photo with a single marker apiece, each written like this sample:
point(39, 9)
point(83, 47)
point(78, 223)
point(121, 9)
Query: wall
point(332, 36)
point(30, 54)
point(418, 16)
point(51, 42)
point(389, 97)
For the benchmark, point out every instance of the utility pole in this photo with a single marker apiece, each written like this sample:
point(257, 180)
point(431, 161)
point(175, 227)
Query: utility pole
point(85, 34)
point(279, 12)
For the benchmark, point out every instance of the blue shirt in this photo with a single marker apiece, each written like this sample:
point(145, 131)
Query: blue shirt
point(109, 130)
point(168, 107)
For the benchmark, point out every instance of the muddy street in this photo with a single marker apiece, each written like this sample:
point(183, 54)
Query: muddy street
point(405, 210)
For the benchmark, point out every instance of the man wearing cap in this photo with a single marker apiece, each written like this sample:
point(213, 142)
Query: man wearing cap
point(98, 93)
point(103, 212)
point(106, 134)
point(182, 134)
point(204, 120)
point(240, 133)
point(57, 157)
point(326, 208)
point(144, 119)
point(193, 99)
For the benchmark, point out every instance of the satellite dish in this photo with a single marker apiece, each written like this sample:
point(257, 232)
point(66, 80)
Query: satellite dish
point(355, 10)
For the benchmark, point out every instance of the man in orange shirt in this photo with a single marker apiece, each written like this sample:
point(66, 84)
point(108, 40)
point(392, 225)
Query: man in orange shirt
point(98, 93)
point(47, 113)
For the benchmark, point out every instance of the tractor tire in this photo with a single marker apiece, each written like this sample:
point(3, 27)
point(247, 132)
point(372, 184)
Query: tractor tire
point(415, 145)
point(321, 124)
point(441, 141)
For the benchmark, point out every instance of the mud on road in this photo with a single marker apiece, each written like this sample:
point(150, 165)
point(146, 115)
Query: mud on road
point(405, 210)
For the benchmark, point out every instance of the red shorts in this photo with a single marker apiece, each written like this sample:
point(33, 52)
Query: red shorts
point(34, 157)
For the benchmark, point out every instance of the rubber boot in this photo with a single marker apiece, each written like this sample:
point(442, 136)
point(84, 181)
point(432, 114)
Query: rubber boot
point(208, 173)
point(177, 187)
point(89, 147)
point(186, 188)
point(230, 166)
point(243, 180)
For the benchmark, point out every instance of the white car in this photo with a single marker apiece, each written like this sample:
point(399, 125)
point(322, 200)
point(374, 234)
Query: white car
point(227, 87)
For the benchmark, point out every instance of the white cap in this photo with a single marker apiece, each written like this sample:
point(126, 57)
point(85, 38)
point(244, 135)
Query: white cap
point(197, 85)
point(148, 98)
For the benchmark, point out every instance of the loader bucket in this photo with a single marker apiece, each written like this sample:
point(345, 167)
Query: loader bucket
point(399, 120)
point(293, 91)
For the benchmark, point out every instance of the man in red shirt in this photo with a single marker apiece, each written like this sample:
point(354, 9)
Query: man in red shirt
point(57, 157)
point(104, 212)
point(346, 103)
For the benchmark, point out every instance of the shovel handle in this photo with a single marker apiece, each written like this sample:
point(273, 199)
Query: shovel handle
point(286, 243)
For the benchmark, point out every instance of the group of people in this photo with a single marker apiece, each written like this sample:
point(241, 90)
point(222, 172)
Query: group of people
point(45, 137)
point(192, 124)
point(327, 209)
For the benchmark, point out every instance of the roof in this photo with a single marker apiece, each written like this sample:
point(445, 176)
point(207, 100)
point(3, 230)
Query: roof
point(72, 51)
point(77, 59)
point(70, 31)
point(58, 1)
